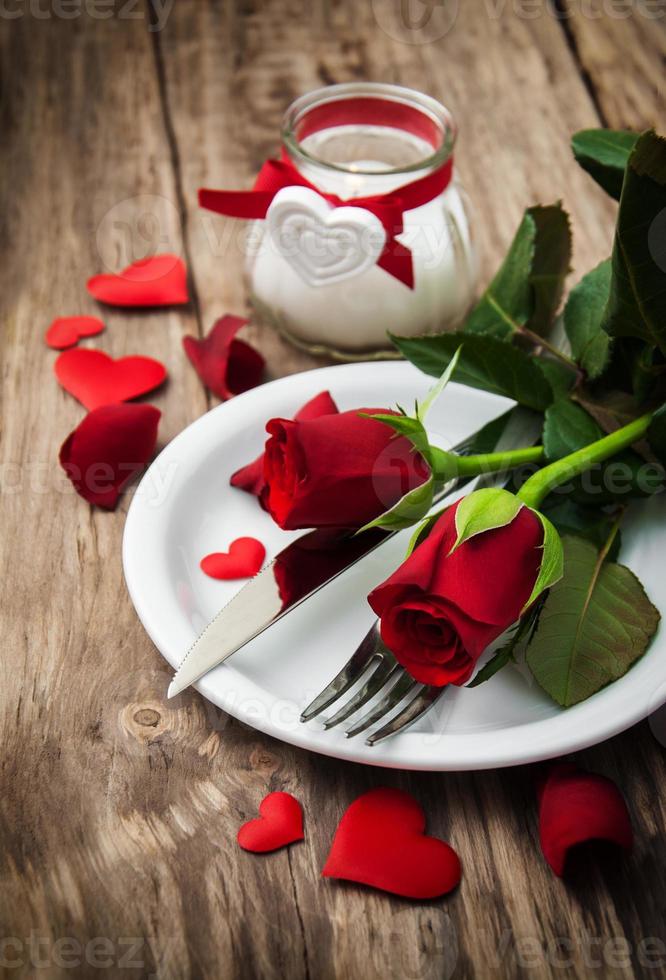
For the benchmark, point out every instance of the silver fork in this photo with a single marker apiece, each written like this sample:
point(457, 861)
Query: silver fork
point(374, 664)
point(374, 659)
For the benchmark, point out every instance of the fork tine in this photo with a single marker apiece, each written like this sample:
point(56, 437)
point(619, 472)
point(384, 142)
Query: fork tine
point(415, 709)
point(355, 667)
point(403, 685)
point(385, 671)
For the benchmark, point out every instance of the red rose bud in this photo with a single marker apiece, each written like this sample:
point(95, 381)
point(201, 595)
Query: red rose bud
point(251, 477)
point(337, 471)
point(440, 611)
point(576, 807)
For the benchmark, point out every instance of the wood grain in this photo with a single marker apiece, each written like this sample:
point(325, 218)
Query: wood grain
point(118, 810)
point(621, 50)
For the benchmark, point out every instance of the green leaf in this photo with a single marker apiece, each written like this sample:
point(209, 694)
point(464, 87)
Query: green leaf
point(550, 266)
point(485, 363)
point(573, 518)
point(423, 530)
point(406, 426)
point(583, 316)
point(507, 304)
point(483, 510)
point(657, 435)
point(595, 623)
point(637, 302)
point(604, 153)
point(527, 289)
point(567, 427)
point(552, 562)
point(610, 409)
point(560, 377)
point(499, 659)
point(408, 511)
point(437, 389)
point(507, 652)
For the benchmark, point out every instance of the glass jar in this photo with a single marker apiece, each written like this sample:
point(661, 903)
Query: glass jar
point(320, 284)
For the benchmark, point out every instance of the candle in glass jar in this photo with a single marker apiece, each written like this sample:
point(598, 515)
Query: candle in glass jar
point(352, 314)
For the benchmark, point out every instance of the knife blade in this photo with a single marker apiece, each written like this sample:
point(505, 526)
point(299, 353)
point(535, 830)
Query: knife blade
point(305, 566)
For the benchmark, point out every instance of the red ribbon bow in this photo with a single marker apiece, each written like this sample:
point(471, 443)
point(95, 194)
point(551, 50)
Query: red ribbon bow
point(396, 258)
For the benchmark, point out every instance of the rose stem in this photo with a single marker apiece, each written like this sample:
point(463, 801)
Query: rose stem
point(448, 466)
point(537, 487)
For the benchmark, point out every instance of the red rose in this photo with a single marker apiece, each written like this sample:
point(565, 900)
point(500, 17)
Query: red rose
point(440, 611)
point(337, 471)
point(251, 477)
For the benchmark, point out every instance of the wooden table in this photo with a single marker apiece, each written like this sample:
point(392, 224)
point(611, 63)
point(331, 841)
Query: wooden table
point(118, 811)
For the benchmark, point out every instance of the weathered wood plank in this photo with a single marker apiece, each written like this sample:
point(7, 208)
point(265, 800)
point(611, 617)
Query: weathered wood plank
point(278, 53)
point(87, 850)
point(513, 151)
point(118, 810)
point(621, 47)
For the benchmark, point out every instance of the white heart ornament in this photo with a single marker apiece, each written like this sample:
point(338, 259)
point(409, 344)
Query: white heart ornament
point(323, 244)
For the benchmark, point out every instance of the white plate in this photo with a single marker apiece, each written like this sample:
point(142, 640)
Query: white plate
point(184, 508)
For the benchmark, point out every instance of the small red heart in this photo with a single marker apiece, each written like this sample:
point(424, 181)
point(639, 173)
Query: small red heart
point(159, 280)
point(243, 560)
point(96, 379)
point(65, 331)
point(380, 842)
point(280, 823)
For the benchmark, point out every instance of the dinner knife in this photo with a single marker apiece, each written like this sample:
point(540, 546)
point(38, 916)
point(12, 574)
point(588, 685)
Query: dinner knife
point(312, 561)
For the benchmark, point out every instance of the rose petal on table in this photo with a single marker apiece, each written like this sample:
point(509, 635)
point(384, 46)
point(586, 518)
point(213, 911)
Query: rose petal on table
point(108, 448)
point(251, 477)
point(380, 841)
point(226, 366)
point(96, 379)
point(576, 807)
point(66, 331)
point(159, 280)
point(280, 823)
point(243, 560)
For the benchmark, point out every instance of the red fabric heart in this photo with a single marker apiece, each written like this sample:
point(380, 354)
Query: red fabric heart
point(577, 807)
point(159, 280)
point(96, 379)
point(65, 331)
point(251, 477)
point(380, 842)
point(225, 365)
point(108, 449)
point(280, 823)
point(243, 560)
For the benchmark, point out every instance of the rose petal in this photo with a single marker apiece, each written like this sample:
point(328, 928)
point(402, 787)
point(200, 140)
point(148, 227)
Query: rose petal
point(380, 842)
point(96, 379)
point(251, 477)
point(159, 280)
point(108, 448)
point(225, 365)
point(66, 331)
point(576, 807)
point(280, 823)
point(243, 560)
